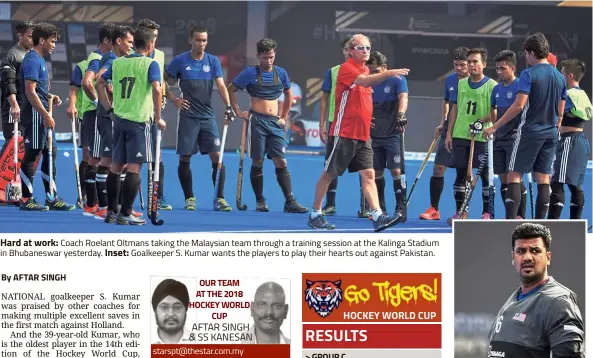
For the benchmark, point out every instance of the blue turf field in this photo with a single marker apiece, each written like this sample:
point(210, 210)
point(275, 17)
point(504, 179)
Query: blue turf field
point(304, 169)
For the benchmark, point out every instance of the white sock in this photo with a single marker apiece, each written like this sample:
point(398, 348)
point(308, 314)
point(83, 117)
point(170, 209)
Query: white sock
point(315, 213)
point(376, 214)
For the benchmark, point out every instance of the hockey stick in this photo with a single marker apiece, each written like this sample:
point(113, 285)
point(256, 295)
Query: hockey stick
point(404, 214)
point(240, 175)
point(530, 180)
point(470, 183)
point(141, 197)
point(79, 203)
point(422, 166)
point(363, 201)
point(14, 189)
point(154, 214)
point(219, 168)
point(491, 188)
point(50, 133)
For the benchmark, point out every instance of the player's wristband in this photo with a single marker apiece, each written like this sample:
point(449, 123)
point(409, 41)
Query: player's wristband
point(95, 102)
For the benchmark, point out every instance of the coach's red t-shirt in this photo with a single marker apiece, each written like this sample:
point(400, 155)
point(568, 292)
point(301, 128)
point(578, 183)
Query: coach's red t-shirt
point(354, 104)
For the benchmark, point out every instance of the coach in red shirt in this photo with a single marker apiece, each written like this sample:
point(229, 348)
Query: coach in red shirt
point(349, 143)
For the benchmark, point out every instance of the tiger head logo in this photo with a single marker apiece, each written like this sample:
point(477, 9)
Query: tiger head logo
point(323, 296)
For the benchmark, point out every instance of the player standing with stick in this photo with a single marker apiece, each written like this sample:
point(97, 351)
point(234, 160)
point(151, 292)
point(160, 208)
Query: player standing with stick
point(442, 158)
point(38, 120)
point(197, 71)
point(540, 101)
point(350, 144)
point(137, 92)
point(264, 83)
point(159, 57)
point(503, 96)
point(573, 149)
point(123, 41)
point(390, 103)
point(470, 113)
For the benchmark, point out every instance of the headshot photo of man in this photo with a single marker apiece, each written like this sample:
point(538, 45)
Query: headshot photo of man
point(544, 315)
point(269, 310)
point(170, 300)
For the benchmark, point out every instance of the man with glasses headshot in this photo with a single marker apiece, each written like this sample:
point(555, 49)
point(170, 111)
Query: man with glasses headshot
point(349, 137)
point(170, 301)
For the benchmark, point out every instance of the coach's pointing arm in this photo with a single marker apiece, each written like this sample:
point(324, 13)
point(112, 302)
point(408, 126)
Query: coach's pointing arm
point(371, 80)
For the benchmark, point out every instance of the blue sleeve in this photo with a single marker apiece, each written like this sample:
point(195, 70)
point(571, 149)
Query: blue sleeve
point(564, 94)
point(76, 77)
point(154, 72)
point(244, 78)
point(493, 96)
point(106, 64)
point(453, 95)
point(93, 66)
point(31, 70)
point(569, 105)
point(107, 74)
point(172, 68)
point(284, 78)
point(217, 67)
point(327, 82)
point(525, 82)
point(401, 85)
point(446, 95)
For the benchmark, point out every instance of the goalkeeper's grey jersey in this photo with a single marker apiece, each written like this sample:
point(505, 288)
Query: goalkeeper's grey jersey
point(532, 326)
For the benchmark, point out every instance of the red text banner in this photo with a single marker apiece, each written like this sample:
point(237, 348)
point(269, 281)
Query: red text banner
point(372, 336)
point(372, 297)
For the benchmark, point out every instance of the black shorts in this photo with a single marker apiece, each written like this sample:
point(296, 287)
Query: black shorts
point(89, 133)
point(131, 141)
point(460, 154)
point(347, 153)
point(105, 129)
point(387, 153)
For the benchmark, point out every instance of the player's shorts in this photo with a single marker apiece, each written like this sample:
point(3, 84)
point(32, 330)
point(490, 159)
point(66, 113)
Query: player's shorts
point(533, 155)
point(34, 131)
point(442, 155)
point(570, 163)
point(265, 136)
point(460, 154)
point(195, 134)
point(502, 149)
point(105, 128)
point(131, 141)
point(387, 153)
point(346, 153)
point(89, 133)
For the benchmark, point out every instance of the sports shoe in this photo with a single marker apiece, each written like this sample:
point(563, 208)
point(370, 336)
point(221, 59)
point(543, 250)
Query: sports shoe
point(519, 217)
point(329, 210)
point(59, 205)
point(384, 222)
point(134, 212)
point(294, 207)
point(430, 214)
point(190, 203)
point(101, 213)
point(456, 217)
point(221, 205)
point(261, 206)
point(129, 220)
point(90, 210)
point(110, 217)
point(319, 223)
point(163, 205)
point(32, 205)
point(486, 216)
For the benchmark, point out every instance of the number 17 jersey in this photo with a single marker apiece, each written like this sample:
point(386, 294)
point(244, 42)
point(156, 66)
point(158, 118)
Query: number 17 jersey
point(529, 326)
point(473, 103)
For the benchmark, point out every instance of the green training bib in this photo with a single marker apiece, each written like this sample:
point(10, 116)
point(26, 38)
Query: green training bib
point(132, 94)
point(472, 104)
point(582, 108)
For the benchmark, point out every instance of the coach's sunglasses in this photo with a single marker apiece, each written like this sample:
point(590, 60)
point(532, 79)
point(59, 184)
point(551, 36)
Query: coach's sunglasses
point(362, 48)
